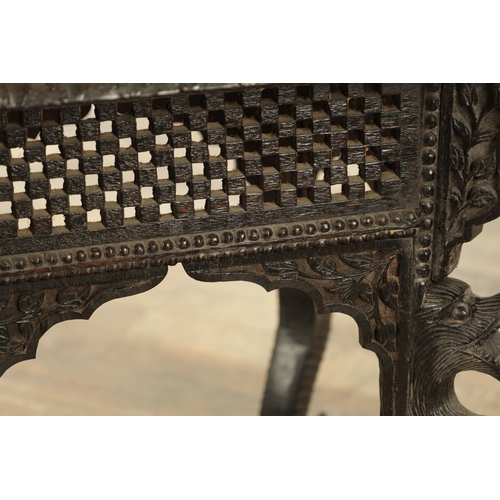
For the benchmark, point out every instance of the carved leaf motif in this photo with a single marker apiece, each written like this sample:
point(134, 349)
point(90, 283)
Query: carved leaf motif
point(4, 301)
point(73, 297)
point(364, 292)
point(28, 302)
point(474, 96)
point(342, 285)
point(462, 130)
point(485, 135)
point(12, 346)
point(359, 261)
point(456, 197)
point(464, 94)
point(26, 328)
point(352, 290)
point(467, 94)
point(351, 296)
point(325, 267)
point(4, 336)
point(457, 159)
point(486, 166)
point(389, 292)
point(286, 270)
point(488, 127)
point(7, 345)
point(482, 195)
point(386, 335)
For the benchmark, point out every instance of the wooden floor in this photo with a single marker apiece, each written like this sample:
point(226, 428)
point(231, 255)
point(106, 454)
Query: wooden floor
point(151, 355)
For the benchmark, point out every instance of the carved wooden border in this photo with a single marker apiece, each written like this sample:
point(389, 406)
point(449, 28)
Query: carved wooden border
point(386, 269)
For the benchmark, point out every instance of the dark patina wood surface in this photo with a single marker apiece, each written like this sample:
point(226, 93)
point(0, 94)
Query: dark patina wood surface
point(358, 196)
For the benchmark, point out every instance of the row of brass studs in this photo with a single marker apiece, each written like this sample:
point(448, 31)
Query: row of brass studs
point(127, 256)
point(423, 251)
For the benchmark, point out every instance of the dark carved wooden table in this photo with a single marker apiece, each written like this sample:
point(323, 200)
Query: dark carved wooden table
point(353, 198)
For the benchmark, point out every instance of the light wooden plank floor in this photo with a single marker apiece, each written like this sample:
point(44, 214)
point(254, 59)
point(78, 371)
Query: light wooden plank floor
point(152, 355)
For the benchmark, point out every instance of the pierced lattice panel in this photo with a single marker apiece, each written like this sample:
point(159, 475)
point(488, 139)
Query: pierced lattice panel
point(112, 163)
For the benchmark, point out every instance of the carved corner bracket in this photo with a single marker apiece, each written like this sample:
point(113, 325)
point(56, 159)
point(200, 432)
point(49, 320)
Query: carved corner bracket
point(362, 282)
point(27, 313)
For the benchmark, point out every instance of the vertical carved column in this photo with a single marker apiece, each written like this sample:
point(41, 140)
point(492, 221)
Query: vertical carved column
point(468, 177)
point(452, 329)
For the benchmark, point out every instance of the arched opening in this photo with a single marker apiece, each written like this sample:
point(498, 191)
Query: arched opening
point(183, 348)
point(348, 378)
point(478, 392)
point(478, 264)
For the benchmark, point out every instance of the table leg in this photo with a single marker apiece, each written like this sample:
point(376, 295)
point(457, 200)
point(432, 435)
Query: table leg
point(300, 342)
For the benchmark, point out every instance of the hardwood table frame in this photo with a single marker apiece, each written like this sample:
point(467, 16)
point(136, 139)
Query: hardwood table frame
point(352, 198)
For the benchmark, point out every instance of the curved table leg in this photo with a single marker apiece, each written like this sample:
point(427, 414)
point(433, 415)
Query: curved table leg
point(300, 342)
